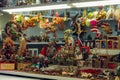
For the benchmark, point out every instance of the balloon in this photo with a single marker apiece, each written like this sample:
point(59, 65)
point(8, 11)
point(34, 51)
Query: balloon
point(90, 15)
point(87, 22)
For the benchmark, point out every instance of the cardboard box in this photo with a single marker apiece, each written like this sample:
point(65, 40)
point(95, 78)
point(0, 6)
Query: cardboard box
point(7, 66)
point(22, 65)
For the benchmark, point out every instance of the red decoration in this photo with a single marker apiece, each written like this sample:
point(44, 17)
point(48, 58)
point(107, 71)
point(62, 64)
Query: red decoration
point(92, 71)
point(93, 23)
point(77, 42)
point(58, 48)
point(87, 48)
point(95, 29)
point(43, 51)
point(111, 65)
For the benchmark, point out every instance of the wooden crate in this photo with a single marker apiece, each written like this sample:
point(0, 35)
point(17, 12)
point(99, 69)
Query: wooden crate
point(7, 66)
point(22, 65)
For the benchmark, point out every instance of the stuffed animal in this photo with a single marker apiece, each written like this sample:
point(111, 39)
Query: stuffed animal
point(94, 28)
point(68, 38)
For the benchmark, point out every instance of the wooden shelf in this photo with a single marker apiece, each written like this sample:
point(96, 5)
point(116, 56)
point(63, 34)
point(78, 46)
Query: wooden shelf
point(112, 42)
point(39, 42)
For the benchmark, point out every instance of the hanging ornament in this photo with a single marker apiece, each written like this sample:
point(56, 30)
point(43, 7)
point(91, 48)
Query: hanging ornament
point(117, 14)
point(18, 18)
point(94, 28)
point(95, 14)
point(93, 22)
point(88, 22)
point(110, 12)
point(101, 14)
point(90, 15)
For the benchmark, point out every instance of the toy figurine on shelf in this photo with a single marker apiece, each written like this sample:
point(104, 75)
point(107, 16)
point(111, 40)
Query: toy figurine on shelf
point(8, 48)
point(41, 36)
point(95, 61)
point(22, 48)
point(50, 52)
point(68, 38)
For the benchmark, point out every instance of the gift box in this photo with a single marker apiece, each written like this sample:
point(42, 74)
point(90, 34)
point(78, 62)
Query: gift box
point(7, 66)
point(21, 66)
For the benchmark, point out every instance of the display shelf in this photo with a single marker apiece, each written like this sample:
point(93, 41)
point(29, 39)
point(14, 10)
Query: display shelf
point(38, 76)
point(107, 51)
point(98, 68)
point(112, 42)
point(39, 43)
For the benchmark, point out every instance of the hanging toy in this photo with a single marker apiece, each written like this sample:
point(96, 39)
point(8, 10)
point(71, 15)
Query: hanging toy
point(50, 28)
point(57, 20)
point(94, 28)
point(101, 14)
point(87, 22)
point(105, 27)
point(90, 15)
point(117, 14)
point(110, 12)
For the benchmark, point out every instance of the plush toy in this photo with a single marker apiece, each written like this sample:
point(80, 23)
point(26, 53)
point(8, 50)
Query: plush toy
point(7, 42)
point(51, 29)
point(8, 48)
point(94, 28)
point(57, 20)
point(117, 14)
point(87, 22)
point(22, 48)
point(68, 38)
point(105, 27)
point(101, 14)
point(90, 15)
point(13, 30)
